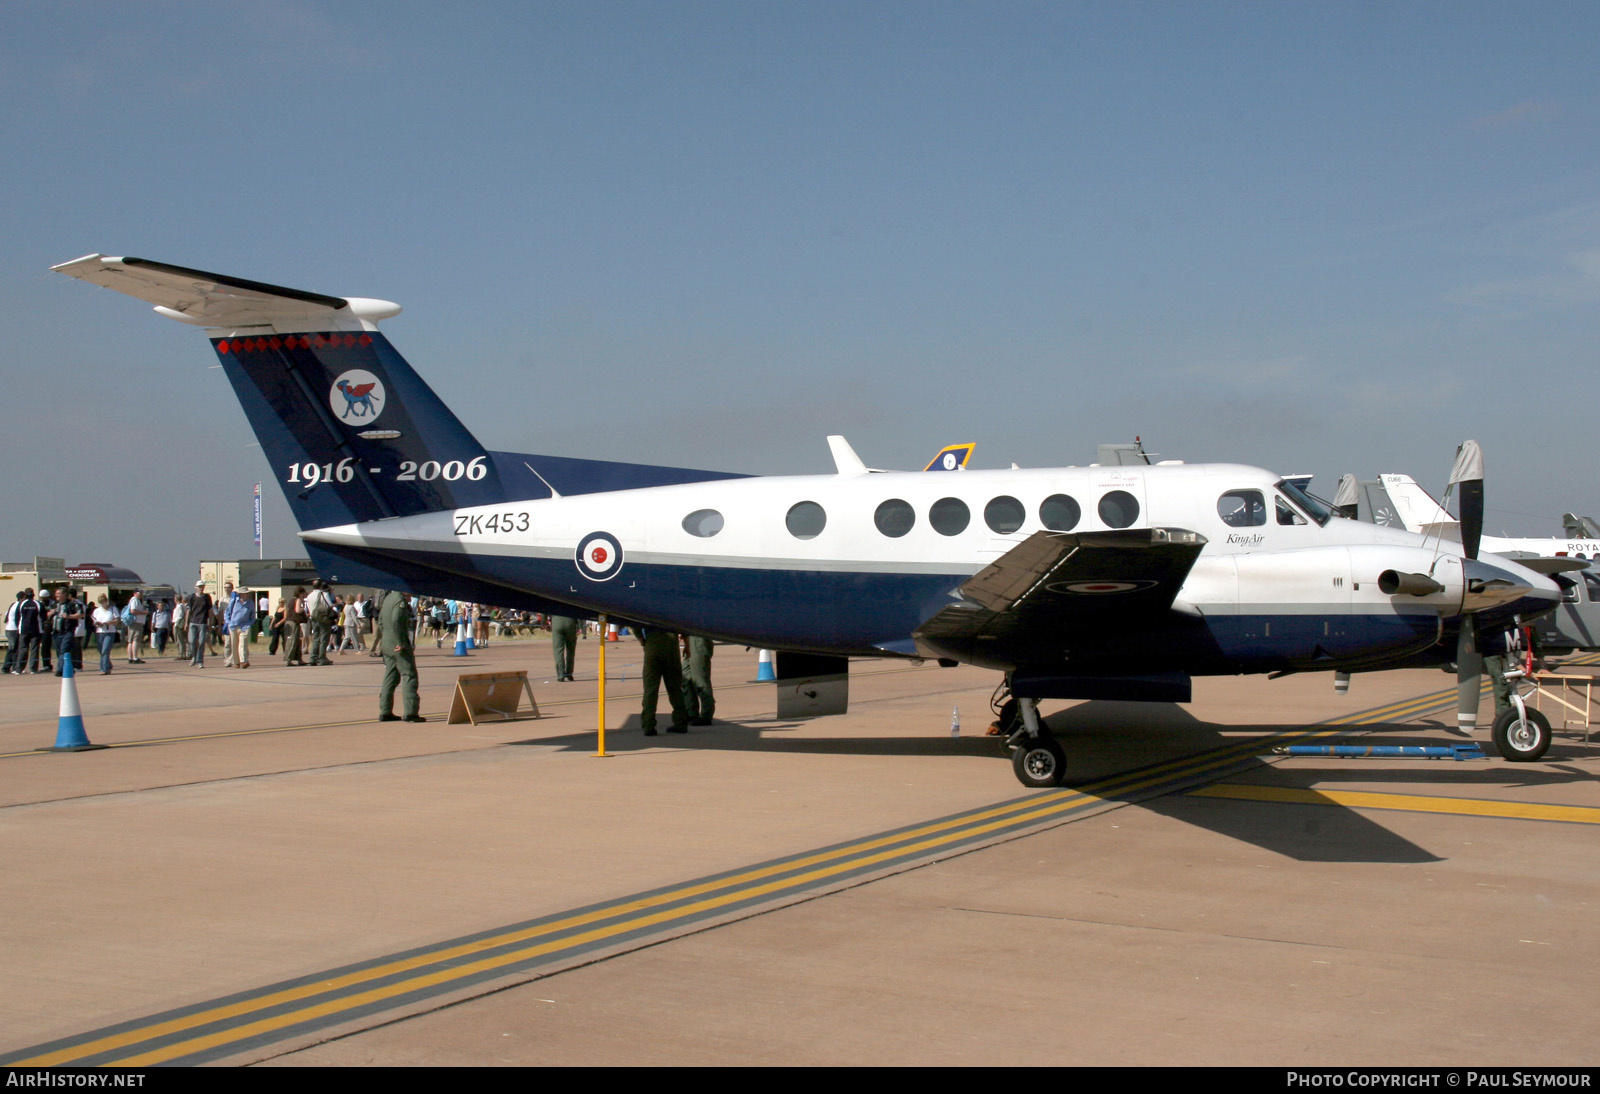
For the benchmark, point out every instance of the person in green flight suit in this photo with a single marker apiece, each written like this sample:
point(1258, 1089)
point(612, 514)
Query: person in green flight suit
point(661, 667)
point(697, 679)
point(399, 659)
point(564, 639)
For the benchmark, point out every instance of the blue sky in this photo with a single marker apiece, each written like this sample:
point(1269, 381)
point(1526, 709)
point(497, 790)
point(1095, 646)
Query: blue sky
point(1317, 238)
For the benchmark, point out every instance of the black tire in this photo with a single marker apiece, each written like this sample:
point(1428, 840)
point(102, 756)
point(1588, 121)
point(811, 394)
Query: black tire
point(1521, 740)
point(1039, 763)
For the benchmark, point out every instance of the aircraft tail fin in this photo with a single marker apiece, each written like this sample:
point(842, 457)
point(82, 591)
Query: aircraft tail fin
point(350, 429)
point(1414, 506)
point(952, 457)
point(1574, 526)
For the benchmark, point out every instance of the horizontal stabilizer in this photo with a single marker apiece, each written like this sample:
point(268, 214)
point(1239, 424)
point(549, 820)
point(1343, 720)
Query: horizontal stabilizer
point(221, 302)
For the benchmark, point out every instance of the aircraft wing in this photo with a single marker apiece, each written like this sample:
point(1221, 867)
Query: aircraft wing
point(1054, 589)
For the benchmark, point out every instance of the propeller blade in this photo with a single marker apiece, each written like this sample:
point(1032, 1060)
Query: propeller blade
point(1469, 671)
point(1468, 475)
point(1346, 498)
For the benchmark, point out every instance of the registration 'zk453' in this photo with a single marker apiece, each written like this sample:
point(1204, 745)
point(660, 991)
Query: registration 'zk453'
point(478, 524)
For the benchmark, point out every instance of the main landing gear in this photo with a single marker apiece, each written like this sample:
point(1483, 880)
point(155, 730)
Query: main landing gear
point(1036, 756)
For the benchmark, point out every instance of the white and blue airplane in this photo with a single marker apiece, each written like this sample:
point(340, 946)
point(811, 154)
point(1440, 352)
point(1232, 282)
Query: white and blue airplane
point(1101, 582)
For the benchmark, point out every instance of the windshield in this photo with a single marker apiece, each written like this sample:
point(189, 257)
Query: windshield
point(1312, 507)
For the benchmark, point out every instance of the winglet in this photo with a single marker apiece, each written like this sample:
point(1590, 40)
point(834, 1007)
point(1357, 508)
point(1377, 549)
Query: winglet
point(844, 457)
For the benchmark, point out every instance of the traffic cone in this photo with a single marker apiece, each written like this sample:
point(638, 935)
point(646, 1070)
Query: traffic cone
point(70, 734)
point(461, 640)
point(764, 667)
point(611, 632)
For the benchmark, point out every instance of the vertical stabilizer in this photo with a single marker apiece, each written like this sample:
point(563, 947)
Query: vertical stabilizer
point(351, 431)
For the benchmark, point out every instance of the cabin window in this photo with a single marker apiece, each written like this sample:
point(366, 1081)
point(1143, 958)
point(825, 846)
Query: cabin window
point(806, 520)
point(1059, 513)
point(895, 518)
point(1119, 509)
point(1242, 509)
point(704, 523)
point(949, 516)
point(1004, 515)
point(1287, 515)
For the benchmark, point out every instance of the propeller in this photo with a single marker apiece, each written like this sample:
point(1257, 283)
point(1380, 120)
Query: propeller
point(1345, 500)
point(1466, 479)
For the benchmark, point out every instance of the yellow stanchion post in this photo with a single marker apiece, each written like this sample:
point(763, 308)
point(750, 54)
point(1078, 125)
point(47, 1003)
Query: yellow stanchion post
point(602, 703)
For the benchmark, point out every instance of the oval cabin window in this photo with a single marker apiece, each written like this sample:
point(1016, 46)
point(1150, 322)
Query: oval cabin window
point(1004, 515)
point(895, 518)
point(704, 523)
point(1060, 513)
point(949, 516)
point(806, 520)
point(1119, 509)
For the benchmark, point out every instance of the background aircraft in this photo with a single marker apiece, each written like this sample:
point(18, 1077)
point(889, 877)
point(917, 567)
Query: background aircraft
point(1105, 582)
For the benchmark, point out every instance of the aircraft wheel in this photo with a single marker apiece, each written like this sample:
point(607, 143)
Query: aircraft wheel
point(1524, 739)
point(1039, 762)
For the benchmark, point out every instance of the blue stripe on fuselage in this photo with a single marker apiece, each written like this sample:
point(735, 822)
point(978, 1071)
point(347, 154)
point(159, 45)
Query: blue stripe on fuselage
point(856, 613)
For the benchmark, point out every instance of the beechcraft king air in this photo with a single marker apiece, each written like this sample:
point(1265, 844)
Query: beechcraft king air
point(1114, 582)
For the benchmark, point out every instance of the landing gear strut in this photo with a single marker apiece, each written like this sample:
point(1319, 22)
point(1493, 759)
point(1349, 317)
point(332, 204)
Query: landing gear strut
point(1036, 757)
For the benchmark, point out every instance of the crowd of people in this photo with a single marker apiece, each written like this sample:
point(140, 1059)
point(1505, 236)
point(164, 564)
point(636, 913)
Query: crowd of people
point(47, 629)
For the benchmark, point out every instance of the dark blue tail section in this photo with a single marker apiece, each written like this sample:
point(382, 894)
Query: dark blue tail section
point(352, 433)
point(350, 429)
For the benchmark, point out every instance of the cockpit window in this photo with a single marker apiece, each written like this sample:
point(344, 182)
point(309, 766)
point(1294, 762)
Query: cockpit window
point(1242, 509)
point(1287, 514)
point(1305, 503)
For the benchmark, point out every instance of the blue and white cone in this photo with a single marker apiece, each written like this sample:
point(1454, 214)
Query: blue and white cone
point(461, 640)
point(764, 667)
point(70, 734)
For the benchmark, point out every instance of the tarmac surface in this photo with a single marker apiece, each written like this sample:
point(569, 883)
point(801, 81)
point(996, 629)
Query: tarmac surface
point(259, 872)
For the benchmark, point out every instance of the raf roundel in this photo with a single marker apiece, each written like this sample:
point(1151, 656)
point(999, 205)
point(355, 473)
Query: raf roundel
point(599, 556)
point(357, 397)
point(1100, 588)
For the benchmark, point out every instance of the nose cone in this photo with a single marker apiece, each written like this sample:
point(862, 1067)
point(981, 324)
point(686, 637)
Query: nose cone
point(1496, 584)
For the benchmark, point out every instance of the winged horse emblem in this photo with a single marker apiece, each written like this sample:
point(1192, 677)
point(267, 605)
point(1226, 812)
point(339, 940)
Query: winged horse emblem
point(358, 399)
